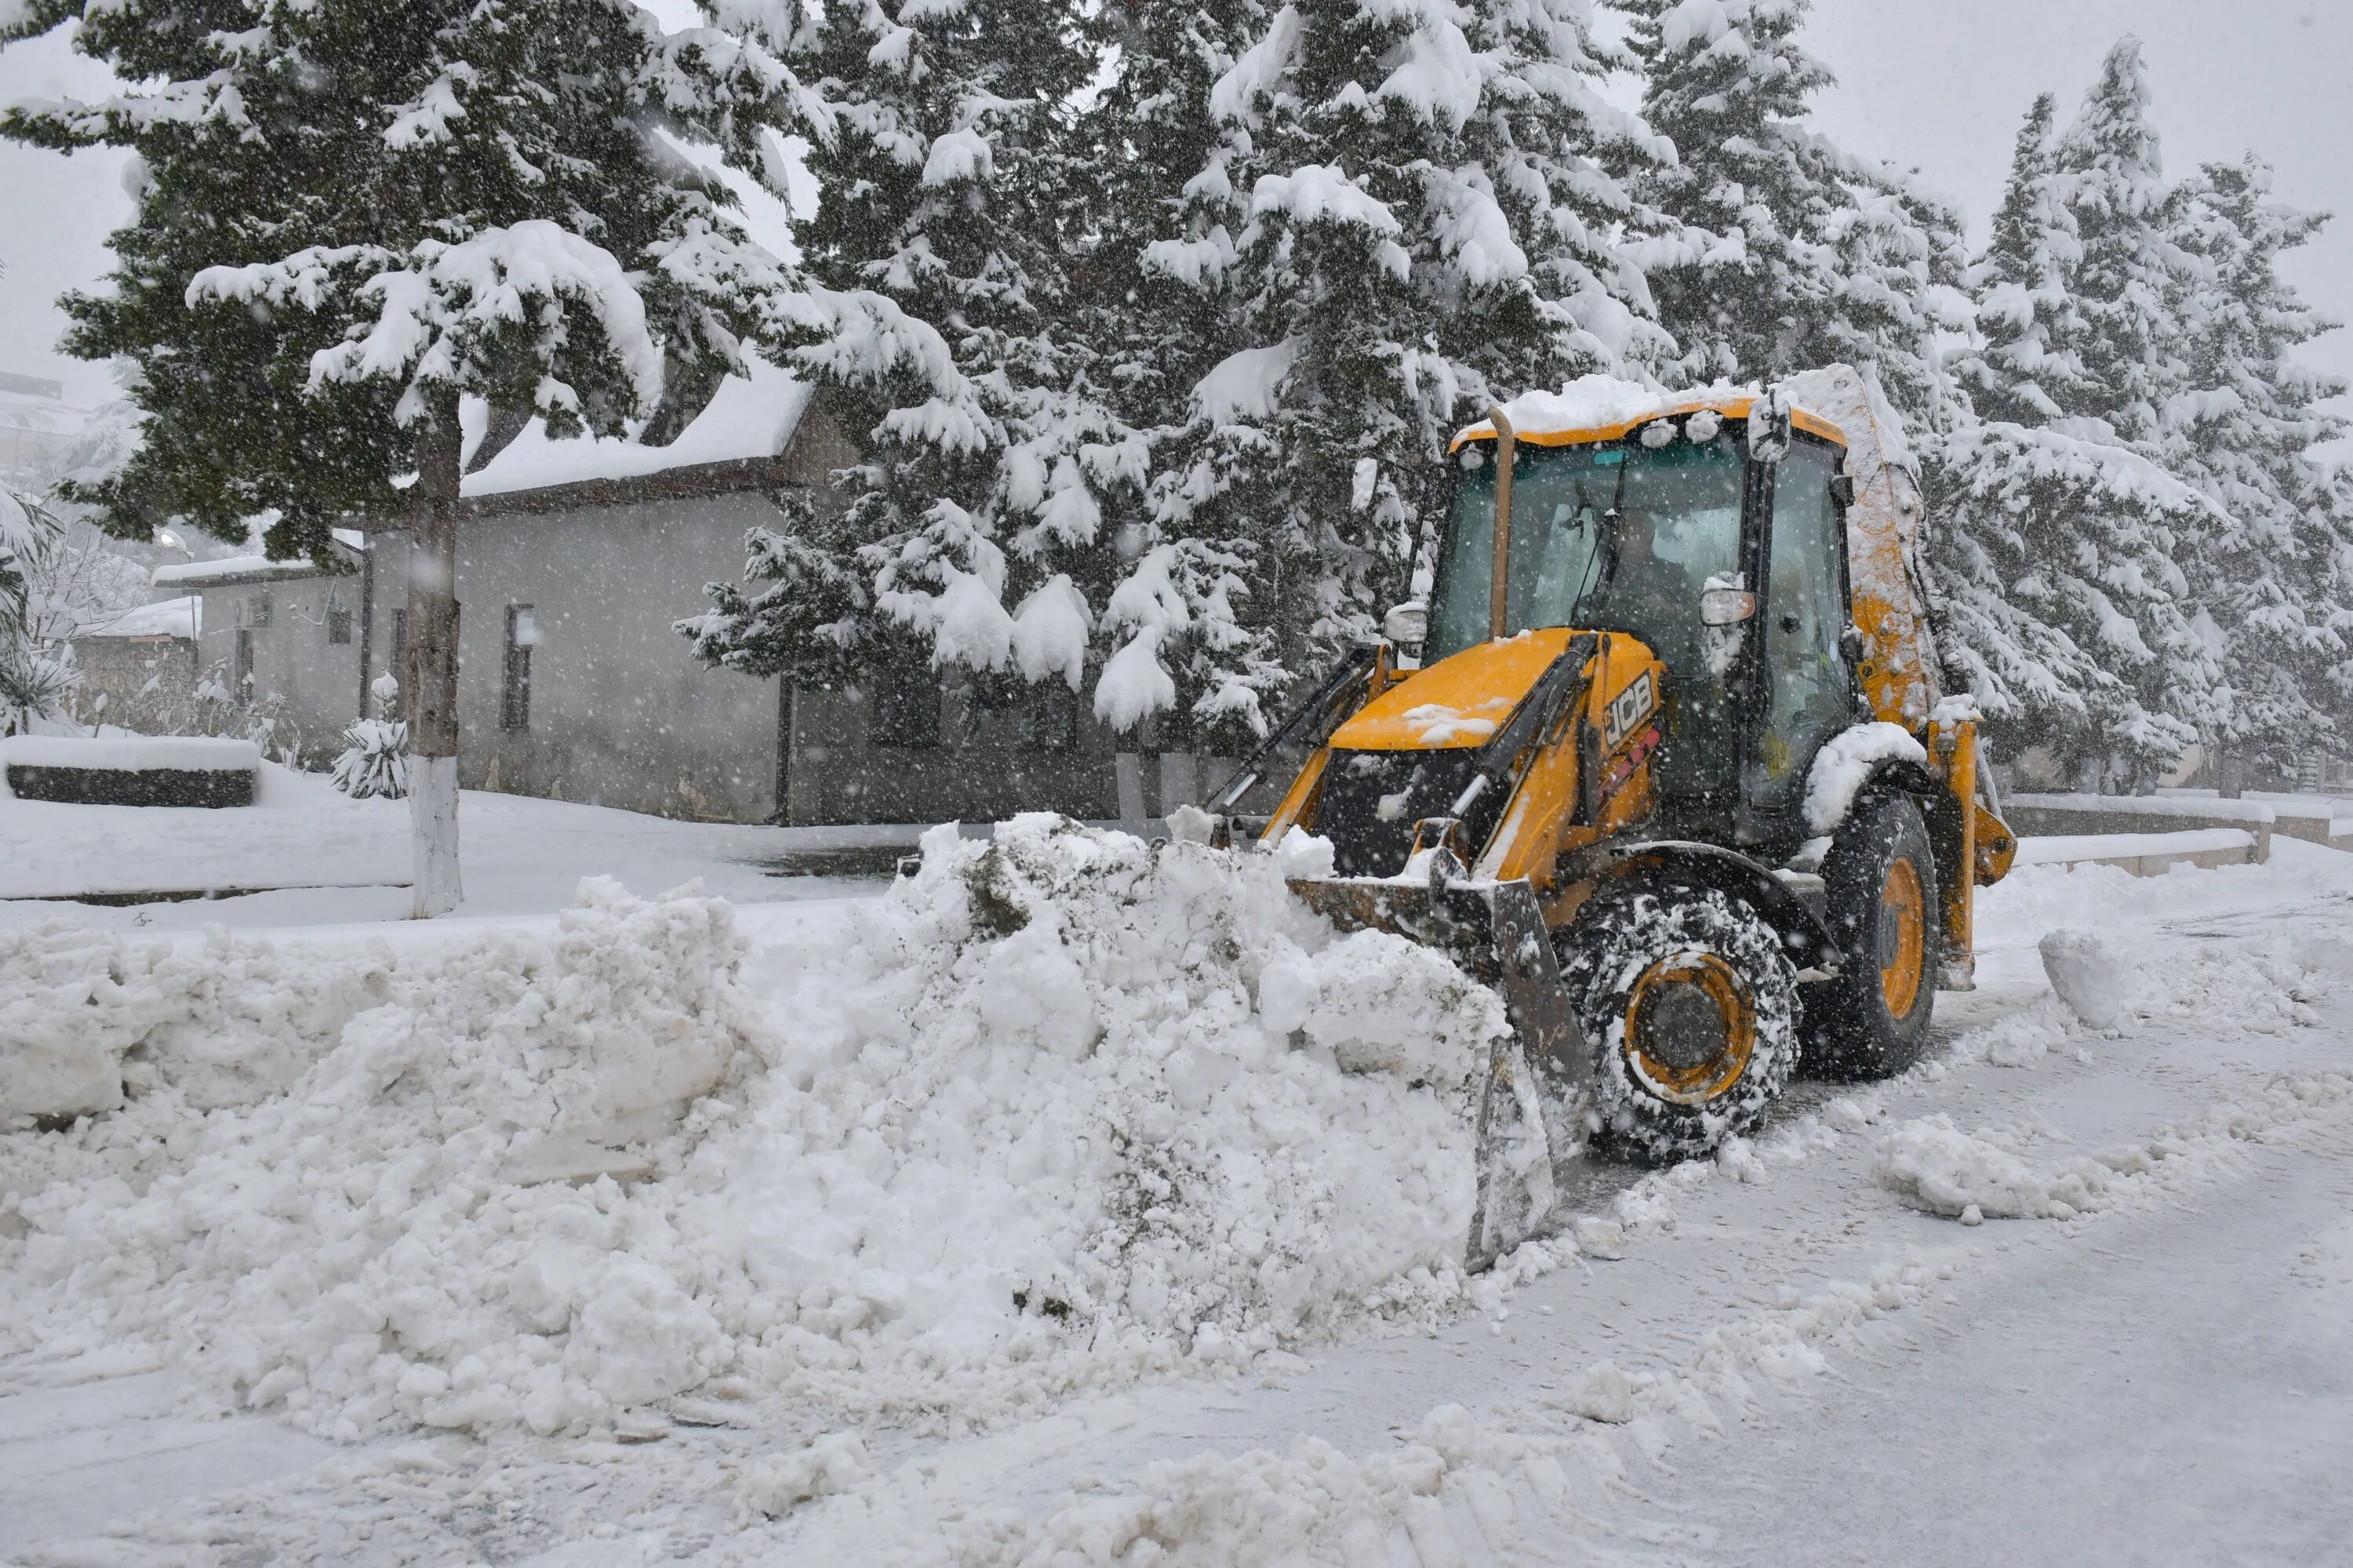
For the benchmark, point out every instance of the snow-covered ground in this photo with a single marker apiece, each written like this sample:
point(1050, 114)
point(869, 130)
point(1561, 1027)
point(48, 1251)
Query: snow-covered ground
point(327, 859)
point(970, 1227)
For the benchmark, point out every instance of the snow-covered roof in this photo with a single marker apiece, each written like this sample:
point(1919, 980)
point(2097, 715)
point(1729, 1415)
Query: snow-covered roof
point(749, 416)
point(1604, 408)
point(181, 617)
point(231, 569)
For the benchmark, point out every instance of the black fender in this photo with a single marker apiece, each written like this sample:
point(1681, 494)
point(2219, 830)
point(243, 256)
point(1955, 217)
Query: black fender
point(1668, 861)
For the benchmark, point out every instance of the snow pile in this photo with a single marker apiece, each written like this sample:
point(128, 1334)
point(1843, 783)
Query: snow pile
point(360, 1246)
point(1946, 1171)
point(1070, 1103)
point(1844, 763)
point(222, 1023)
point(1058, 1111)
point(2089, 978)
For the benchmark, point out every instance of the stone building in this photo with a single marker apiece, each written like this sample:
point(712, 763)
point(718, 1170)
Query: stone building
point(576, 559)
point(143, 662)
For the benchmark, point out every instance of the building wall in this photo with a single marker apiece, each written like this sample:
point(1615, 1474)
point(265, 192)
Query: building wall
point(309, 683)
point(620, 713)
point(980, 767)
point(140, 677)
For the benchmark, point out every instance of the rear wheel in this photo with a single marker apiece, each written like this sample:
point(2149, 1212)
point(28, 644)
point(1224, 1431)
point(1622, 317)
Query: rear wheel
point(1691, 1009)
point(1880, 880)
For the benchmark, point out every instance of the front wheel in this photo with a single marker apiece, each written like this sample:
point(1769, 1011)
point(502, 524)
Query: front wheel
point(1880, 881)
point(1690, 1005)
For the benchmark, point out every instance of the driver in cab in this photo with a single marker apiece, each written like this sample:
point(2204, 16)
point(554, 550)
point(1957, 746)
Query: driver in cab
point(1653, 598)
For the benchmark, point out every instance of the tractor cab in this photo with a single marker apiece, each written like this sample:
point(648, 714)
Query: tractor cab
point(1725, 558)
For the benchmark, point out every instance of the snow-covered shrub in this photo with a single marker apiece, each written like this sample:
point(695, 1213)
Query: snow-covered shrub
point(34, 678)
point(375, 761)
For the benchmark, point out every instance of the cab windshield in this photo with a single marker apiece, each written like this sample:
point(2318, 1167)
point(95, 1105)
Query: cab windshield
point(1615, 537)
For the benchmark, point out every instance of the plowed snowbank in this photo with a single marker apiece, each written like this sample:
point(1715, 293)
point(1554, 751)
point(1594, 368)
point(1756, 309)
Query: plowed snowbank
point(1058, 1111)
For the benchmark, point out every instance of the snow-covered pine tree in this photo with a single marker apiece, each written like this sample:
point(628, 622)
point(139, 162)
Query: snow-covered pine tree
point(1792, 252)
point(1400, 214)
point(2026, 370)
point(352, 214)
point(2276, 586)
point(2060, 532)
point(947, 336)
point(1166, 311)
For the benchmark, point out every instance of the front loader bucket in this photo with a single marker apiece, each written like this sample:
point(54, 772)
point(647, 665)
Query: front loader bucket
point(1535, 1088)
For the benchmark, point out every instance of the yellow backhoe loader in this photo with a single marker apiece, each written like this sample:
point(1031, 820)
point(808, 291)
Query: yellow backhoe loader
point(1661, 758)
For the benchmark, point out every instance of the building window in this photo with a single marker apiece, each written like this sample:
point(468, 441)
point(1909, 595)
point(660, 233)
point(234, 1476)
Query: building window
point(1014, 714)
point(338, 624)
point(515, 703)
point(907, 709)
point(1049, 717)
point(399, 662)
point(241, 675)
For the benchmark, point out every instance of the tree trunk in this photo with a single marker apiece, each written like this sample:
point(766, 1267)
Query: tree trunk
point(432, 672)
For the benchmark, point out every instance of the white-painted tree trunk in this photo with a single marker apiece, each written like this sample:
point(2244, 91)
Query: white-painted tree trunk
point(432, 822)
point(432, 674)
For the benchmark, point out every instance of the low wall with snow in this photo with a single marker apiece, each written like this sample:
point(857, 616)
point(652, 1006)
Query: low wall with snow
point(130, 770)
point(2072, 816)
point(2144, 854)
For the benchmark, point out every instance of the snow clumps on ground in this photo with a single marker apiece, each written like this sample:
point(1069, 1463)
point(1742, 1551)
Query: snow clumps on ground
point(2090, 979)
point(1948, 1172)
point(1058, 1111)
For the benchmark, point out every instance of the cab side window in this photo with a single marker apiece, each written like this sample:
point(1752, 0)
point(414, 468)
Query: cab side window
point(1804, 612)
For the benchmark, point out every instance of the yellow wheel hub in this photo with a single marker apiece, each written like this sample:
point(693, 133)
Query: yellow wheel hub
point(1903, 939)
point(1690, 1028)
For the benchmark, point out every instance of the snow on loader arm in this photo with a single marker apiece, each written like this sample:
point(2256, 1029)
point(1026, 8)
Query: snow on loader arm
point(1591, 787)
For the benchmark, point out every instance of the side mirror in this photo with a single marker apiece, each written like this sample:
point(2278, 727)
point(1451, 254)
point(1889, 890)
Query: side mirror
point(1842, 489)
point(1406, 624)
point(1770, 427)
point(1722, 605)
point(1850, 644)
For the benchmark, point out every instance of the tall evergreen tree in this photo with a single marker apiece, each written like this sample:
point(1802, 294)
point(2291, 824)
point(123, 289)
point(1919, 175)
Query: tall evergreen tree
point(1424, 226)
point(944, 329)
point(2061, 534)
point(1793, 253)
point(2277, 584)
point(1168, 307)
point(2027, 370)
point(352, 214)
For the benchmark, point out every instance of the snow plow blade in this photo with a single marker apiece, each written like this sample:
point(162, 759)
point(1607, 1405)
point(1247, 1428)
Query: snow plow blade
point(1534, 1089)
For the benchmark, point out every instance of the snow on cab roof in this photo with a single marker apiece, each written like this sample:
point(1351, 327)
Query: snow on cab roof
point(749, 416)
point(1604, 408)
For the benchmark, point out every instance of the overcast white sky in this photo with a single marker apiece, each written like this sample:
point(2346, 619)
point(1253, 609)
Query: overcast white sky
point(1935, 84)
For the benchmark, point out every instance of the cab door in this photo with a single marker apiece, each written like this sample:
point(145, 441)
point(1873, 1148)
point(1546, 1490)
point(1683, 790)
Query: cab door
point(1808, 689)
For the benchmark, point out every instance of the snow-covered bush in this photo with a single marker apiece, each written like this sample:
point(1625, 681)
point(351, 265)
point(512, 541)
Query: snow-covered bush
point(36, 677)
point(376, 761)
